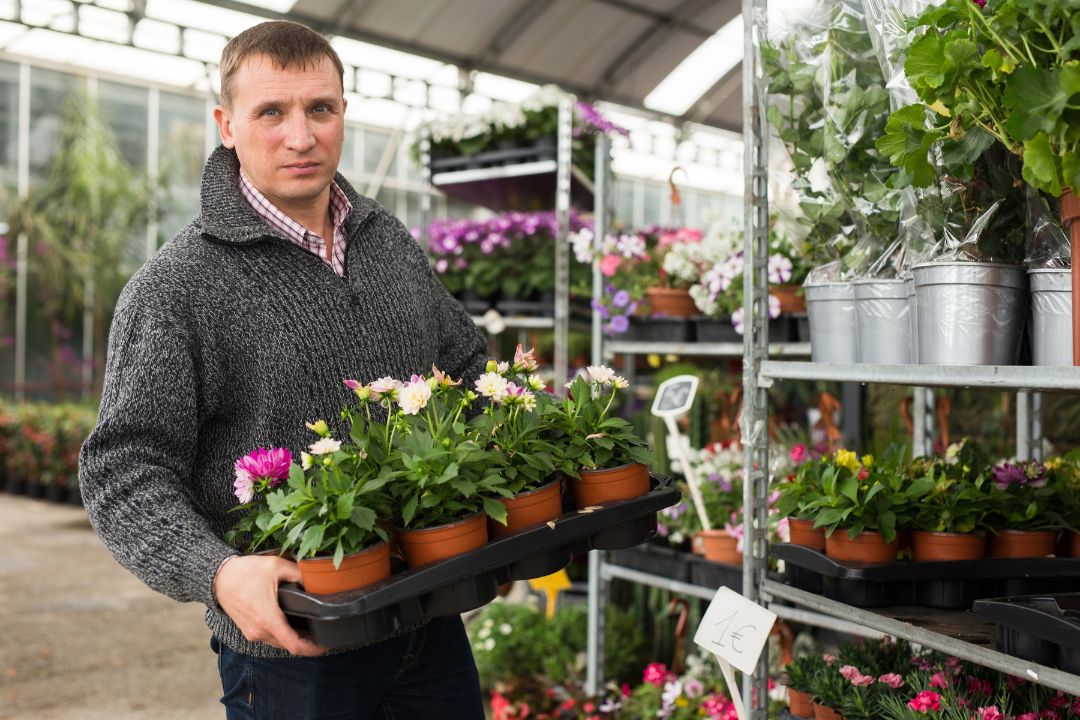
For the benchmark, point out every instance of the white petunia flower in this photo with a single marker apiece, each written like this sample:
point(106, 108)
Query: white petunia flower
point(505, 629)
point(489, 644)
point(325, 446)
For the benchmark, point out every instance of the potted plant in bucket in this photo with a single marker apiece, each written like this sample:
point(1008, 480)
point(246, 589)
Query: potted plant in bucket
point(514, 427)
point(603, 456)
point(867, 501)
point(798, 495)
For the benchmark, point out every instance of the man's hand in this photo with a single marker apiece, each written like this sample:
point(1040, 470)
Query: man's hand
point(246, 588)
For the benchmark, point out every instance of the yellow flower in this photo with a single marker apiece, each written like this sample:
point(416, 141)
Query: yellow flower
point(848, 459)
point(1053, 463)
point(868, 460)
point(681, 702)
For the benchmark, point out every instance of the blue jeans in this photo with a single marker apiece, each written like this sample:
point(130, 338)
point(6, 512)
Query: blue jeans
point(428, 673)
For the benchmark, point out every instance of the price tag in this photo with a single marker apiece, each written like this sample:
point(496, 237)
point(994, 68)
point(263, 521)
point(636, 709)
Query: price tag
point(735, 629)
point(674, 397)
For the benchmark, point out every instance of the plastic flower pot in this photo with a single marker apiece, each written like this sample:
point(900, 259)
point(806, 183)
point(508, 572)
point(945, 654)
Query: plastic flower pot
point(529, 509)
point(934, 546)
point(319, 576)
point(1022, 543)
point(868, 546)
point(430, 545)
point(719, 546)
point(792, 300)
point(595, 487)
point(803, 532)
point(671, 302)
point(822, 712)
point(801, 704)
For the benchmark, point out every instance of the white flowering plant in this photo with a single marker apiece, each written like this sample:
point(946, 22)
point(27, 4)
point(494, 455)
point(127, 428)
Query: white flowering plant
point(592, 438)
point(433, 464)
point(515, 423)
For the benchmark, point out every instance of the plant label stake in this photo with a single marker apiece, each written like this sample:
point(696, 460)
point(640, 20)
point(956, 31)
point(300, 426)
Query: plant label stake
point(551, 586)
point(673, 398)
point(735, 630)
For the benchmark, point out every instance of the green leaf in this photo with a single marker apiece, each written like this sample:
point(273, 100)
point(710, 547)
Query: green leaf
point(345, 505)
point(1040, 166)
point(339, 554)
point(1036, 99)
point(277, 502)
point(925, 63)
point(312, 540)
point(967, 148)
point(296, 477)
point(495, 510)
point(1001, 65)
point(849, 488)
point(363, 517)
point(1070, 170)
point(467, 488)
point(409, 510)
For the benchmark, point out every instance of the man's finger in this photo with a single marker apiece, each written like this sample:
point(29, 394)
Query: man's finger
point(290, 640)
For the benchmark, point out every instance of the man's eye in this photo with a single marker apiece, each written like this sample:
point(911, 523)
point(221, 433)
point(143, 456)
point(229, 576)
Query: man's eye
point(321, 108)
point(270, 111)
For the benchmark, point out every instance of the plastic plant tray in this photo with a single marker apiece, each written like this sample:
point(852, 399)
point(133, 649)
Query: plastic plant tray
point(659, 560)
point(953, 585)
point(1041, 628)
point(468, 581)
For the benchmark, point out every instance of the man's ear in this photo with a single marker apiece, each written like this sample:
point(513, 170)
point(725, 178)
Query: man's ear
point(223, 118)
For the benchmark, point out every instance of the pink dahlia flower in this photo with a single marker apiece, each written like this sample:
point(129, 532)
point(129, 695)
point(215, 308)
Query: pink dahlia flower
point(262, 467)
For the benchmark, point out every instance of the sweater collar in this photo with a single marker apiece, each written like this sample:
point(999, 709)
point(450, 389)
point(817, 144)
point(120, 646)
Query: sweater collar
point(227, 216)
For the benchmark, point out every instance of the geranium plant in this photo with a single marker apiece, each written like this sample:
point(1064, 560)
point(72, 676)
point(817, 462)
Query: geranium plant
point(594, 438)
point(860, 494)
point(801, 489)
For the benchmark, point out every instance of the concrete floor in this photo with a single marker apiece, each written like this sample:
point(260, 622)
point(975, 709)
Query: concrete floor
point(82, 639)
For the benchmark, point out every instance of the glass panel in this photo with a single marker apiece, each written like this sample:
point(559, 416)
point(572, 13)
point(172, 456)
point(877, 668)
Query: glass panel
point(9, 125)
point(624, 202)
point(182, 144)
point(49, 90)
point(375, 143)
point(124, 108)
point(348, 152)
point(652, 204)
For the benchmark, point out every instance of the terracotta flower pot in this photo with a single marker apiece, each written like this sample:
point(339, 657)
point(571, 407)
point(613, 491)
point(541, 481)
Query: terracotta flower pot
point(430, 545)
point(791, 298)
point(319, 576)
point(826, 713)
point(801, 704)
point(804, 533)
point(618, 483)
point(934, 546)
point(868, 546)
point(1022, 543)
point(720, 547)
point(671, 302)
point(529, 509)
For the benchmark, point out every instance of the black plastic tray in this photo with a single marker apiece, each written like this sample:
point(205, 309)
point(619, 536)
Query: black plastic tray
point(951, 585)
point(466, 582)
point(659, 329)
point(654, 559)
point(1041, 628)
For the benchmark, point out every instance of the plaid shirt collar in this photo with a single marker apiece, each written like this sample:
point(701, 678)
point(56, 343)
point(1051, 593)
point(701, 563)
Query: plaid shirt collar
point(340, 208)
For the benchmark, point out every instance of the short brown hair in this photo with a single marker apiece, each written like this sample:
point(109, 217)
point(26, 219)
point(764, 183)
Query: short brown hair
point(288, 44)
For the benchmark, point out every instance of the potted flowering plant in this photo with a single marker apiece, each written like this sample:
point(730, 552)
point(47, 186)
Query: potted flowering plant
point(798, 498)
point(1025, 515)
point(256, 474)
point(868, 501)
point(719, 469)
point(514, 426)
point(604, 457)
point(1064, 474)
point(439, 475)
point(951, 520)
point(801, 679)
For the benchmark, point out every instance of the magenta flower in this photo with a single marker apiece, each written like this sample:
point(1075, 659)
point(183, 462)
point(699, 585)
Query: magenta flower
point(938, 680)
point(655, 674)
point(976, 686)
point(980, 3)
point(925, 701)
point(798, 454)
point(988, 713)
point(849, 671)
point(260, 469)
point(892, 680)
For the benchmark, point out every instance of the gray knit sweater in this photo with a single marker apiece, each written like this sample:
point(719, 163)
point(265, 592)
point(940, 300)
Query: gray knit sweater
point(230, 338)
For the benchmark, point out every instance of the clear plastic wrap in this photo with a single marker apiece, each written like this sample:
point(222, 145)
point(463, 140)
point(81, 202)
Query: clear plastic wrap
point(1048, 244)
point(829, 106)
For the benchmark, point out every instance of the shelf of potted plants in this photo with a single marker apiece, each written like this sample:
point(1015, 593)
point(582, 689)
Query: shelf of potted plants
point(1003, 377)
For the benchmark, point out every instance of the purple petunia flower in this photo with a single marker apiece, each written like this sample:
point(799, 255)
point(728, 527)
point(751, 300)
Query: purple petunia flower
point(621, 299)
point(620, 324)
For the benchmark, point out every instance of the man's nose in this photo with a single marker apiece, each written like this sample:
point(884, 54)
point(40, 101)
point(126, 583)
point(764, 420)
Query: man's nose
point(298, 134)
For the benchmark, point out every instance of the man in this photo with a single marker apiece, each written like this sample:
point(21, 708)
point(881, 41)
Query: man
point(238, 331)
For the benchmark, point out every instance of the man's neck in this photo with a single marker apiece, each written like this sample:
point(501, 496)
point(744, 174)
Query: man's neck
point(313, 215)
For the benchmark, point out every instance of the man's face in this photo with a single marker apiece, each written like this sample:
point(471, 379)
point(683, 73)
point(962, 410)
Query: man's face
point(287, 127)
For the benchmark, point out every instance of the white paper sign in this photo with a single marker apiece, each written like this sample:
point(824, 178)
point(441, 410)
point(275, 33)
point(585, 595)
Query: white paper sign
point(675, 396)
point(735, 629)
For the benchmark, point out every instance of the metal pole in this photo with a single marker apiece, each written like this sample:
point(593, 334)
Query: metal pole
point(918, 423)
point(1037, 426)
point(755, 435)
point(22, 251)
point(425, 176)
point(594, 677)
point(1023, 425)
point(562, 242)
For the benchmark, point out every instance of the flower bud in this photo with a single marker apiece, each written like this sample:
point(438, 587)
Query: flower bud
point(319, 427)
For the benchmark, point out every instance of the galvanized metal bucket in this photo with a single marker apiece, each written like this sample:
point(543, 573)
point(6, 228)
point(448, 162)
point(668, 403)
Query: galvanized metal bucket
point(884, 330)
point(831, 307)
point(1051, 316)
point(970, 313)
point(913, 316)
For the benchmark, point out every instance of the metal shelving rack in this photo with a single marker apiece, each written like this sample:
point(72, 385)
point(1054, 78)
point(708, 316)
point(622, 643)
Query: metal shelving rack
point(958, 633)
point(489, 186)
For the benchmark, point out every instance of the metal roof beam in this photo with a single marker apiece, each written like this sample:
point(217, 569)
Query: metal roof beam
point(671, 19)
